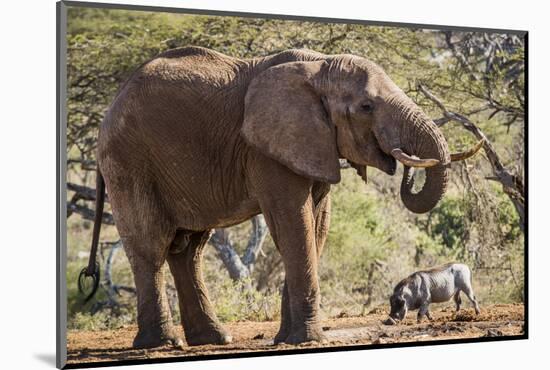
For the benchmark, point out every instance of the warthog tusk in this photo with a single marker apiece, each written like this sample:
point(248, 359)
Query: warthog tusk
point(389, 321)
point(409, 161)
point(468, 153)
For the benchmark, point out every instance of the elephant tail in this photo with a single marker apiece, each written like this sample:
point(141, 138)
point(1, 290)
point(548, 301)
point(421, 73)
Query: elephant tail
point(92, 270)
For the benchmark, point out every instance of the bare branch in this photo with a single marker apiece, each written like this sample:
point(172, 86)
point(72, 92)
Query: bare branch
point(344, 164)
point(87, 164)
point(110, 287)
point(221, 240)
point(511, 183)
point(240, 268)
point(255, 243)
point(88, 214)
point(84, 192)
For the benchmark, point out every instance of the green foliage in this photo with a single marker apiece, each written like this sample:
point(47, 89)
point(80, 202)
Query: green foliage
point(448, 222)
point(352, 213)
point(102, 320)
point(507, 218)
point(429, 248)
point(359, 234)
point(236, 301)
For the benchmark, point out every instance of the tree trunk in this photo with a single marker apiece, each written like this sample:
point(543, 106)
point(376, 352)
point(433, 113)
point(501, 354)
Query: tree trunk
point(240, 268)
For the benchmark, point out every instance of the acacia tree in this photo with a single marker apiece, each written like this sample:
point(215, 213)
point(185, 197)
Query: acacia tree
point(488, 71)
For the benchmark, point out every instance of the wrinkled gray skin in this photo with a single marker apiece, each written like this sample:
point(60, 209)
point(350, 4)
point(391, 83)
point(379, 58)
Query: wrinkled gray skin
point(197, 140)
point(436, 285)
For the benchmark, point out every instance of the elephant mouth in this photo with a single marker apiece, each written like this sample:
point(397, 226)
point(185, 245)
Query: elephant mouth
point(373, 154)
point(383, 161)
point(390, 164)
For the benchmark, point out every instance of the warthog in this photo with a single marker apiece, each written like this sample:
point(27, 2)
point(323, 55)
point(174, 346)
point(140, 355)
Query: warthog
point(436, 285)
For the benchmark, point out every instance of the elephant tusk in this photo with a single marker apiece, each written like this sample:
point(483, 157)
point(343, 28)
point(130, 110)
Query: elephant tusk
point(409, 161)
point(468, 153)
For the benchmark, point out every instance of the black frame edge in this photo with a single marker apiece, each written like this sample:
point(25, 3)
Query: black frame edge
point(301, 351)
point(61, 349)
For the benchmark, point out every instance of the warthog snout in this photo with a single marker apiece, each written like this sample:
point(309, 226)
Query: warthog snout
point(389, 321)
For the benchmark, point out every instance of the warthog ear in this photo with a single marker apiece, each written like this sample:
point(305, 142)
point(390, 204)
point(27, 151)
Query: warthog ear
point(285, 120)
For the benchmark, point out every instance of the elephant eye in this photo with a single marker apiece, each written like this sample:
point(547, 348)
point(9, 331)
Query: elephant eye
point(367, 107)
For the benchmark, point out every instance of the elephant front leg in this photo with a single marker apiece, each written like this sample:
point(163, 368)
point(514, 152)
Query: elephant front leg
point(286, 321)
point(303, 294)
point(287, 202)
point(154, 319)
point(322, 210)
point(199, 321)
point(294, 232)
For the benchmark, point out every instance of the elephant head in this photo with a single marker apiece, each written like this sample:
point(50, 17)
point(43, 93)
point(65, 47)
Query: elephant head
point(307, 115)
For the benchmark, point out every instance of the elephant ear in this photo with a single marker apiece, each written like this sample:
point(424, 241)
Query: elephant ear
point(285, 120)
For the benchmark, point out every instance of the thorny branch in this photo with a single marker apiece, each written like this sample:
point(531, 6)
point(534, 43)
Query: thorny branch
point(483, 56)
point(511, 183)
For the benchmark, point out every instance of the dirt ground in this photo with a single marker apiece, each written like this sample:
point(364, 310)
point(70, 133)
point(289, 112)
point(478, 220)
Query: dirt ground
point(494, 320)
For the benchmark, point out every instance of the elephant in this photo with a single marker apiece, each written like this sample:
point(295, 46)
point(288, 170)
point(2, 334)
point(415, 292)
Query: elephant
point(196, 140)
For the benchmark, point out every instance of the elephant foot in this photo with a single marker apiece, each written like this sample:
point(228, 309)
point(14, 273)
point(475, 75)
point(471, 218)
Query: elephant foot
point(280, 338)
point(148, 339)
point(213, 335)
point(284, 332)
point(305, 335)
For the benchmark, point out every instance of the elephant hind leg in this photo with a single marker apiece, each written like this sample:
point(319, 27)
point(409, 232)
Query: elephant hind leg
point(154, 318)
point(197, 315)
point(146, 230)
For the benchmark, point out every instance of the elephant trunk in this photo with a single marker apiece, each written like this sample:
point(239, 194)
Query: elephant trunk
point(423, 139)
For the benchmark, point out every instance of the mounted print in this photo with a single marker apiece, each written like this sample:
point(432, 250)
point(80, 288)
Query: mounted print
point(239, 185)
